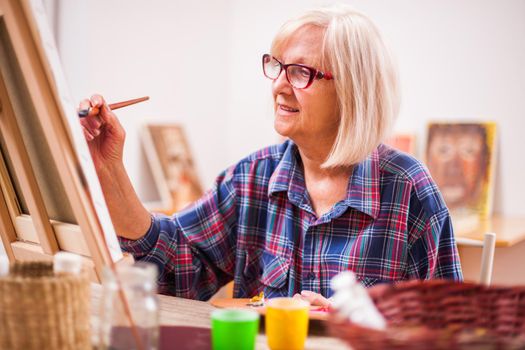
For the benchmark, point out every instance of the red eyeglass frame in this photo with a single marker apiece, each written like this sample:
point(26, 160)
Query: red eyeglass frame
point(315, 74)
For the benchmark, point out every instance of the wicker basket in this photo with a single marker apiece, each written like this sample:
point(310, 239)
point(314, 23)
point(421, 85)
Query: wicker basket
point(40, 310)
point(441, 315)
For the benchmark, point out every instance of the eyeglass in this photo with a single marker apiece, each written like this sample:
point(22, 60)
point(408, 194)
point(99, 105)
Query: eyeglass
point(299, 75)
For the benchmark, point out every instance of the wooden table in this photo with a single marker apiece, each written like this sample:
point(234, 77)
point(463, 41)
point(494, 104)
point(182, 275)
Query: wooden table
point(185, 312)
point(510, 248)
point(509, 231)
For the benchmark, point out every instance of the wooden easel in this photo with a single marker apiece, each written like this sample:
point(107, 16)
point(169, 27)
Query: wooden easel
point(31, 93)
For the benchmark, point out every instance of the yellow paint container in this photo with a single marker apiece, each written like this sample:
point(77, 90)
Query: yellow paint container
point(286, 323)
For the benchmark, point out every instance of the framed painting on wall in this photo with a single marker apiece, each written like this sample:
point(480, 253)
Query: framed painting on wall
point(461, 159)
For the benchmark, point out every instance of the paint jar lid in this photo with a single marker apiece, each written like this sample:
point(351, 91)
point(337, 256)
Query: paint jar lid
point(64, 262)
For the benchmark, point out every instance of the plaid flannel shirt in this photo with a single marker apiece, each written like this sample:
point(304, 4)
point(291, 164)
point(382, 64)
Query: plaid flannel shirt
point(256, 226)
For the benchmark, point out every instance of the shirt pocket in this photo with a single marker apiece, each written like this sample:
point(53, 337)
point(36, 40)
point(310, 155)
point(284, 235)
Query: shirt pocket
point(275, 273)
point(272, 273)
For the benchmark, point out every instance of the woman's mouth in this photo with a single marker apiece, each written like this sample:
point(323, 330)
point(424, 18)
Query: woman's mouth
point(288, 109)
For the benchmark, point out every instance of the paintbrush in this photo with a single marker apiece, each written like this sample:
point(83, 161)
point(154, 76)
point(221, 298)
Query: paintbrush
point(94, 111)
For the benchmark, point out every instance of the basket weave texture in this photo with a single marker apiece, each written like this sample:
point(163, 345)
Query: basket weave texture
point(41, 310)
point(441, 314)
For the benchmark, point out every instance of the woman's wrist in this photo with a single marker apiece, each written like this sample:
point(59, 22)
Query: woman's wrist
point(109, 170)
point(130, 219)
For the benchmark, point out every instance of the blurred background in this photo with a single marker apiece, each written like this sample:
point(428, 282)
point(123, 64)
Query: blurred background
point(199, 61)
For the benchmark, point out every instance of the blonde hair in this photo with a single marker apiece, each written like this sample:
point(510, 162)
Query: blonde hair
point(365, 78)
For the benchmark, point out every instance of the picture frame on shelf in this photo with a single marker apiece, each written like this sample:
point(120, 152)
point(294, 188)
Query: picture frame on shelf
point(169, 156)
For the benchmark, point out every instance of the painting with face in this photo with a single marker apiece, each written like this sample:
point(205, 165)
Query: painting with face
point(460, 157)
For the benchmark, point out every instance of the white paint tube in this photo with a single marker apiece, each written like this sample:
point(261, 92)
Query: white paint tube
point(351, 301)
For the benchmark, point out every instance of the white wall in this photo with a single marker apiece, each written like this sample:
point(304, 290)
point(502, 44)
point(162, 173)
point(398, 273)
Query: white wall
point(200, 63)
point(173, 51)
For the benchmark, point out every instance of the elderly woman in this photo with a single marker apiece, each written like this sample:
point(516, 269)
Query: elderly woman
point(289, 217)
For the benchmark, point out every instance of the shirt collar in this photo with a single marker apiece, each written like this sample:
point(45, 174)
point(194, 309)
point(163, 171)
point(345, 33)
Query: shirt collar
point(363, 191)
point(288, 176)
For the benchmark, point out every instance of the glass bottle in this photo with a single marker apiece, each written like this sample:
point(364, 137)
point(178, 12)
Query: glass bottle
point(138, 284)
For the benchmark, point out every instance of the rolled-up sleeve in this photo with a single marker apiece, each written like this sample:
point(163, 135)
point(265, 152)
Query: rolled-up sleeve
point(194, 249)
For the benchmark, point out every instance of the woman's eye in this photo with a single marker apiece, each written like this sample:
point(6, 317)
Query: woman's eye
point(305, 73)
point(300, 73)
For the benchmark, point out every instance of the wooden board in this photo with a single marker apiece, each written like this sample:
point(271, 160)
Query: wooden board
point(316, 312)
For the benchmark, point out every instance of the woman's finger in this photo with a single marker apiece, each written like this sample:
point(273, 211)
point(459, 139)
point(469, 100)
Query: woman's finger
point(315, 299)
point(87, 134)
point(89, 109)
point(93, 127)
point(107, 115)
point(93, 121)
point(97, 104)
point(97, 101)
point(84, 104)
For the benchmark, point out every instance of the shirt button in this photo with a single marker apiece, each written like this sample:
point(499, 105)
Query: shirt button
point(311, 276)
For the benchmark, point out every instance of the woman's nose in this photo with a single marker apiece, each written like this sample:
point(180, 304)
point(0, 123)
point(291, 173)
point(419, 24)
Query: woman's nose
point(281, 84)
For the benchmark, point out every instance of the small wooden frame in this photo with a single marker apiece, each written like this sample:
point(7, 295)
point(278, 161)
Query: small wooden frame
point(171, 162)
point(50, 198)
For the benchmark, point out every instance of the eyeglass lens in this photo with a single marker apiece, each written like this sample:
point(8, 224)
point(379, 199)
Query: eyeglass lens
point(298, 76)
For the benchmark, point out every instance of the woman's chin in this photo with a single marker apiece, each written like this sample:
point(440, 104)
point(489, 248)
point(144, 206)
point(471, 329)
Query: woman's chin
point(283, 128)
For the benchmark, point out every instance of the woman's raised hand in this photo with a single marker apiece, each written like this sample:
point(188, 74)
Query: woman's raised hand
point(105, 136)
point(103, 132)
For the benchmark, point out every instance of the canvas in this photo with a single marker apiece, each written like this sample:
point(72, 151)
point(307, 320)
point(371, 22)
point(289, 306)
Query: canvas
point(461, 159)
